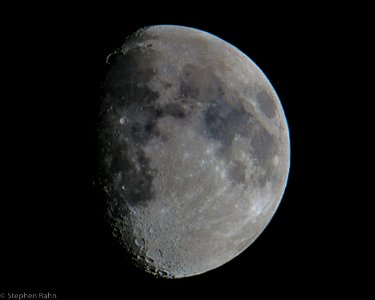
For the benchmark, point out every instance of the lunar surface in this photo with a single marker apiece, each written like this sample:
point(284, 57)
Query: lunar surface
point(194, 150)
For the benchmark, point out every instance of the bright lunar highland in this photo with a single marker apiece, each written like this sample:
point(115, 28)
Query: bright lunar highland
point(193, 150)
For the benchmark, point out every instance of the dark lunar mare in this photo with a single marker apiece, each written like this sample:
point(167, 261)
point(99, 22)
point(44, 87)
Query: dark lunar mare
point(128, 117)
point(223, 121)
point(123, 163)
point(266, 103)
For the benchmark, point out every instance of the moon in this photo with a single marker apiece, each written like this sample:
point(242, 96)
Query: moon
point(194, 150)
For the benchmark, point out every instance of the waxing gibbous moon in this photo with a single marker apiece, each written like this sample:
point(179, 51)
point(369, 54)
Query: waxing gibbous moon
point(194, 150)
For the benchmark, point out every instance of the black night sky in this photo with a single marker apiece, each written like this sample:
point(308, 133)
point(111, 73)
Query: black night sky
point(53, 235)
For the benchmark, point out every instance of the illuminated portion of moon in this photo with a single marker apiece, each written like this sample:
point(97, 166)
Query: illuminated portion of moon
point(194, 150)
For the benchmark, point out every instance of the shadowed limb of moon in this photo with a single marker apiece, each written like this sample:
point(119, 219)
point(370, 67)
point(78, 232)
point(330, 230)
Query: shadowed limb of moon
point(194, 150)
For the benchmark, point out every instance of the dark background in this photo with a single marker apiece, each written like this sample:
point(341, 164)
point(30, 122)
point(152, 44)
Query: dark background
point(53, 235)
